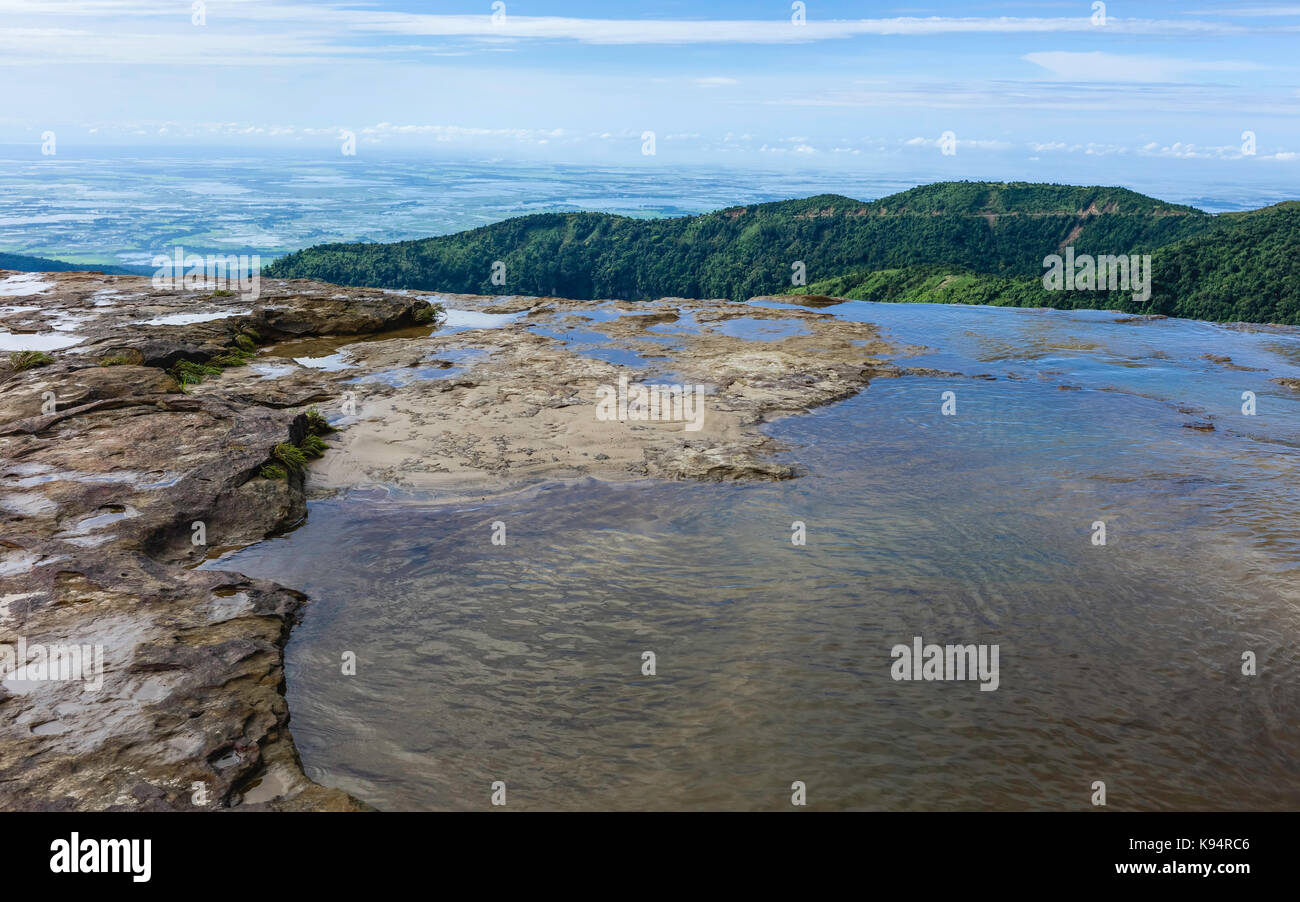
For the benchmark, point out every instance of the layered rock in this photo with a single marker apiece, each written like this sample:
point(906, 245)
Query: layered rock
point(106, 469)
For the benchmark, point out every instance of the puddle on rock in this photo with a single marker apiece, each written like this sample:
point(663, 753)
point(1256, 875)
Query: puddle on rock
point(754, 329)
point(38, 341)
point(464, 320)
point(80, 532)
point(188, 319)
point(23, 284)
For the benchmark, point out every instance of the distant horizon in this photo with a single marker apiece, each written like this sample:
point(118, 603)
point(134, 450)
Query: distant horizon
point(116, 202)
point(1141, 93)
point(1148, 175)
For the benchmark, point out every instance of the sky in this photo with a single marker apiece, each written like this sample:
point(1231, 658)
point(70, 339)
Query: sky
point(1040, 90)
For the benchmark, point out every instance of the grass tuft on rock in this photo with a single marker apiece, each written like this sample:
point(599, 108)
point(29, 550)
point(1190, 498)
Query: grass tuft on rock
point(290, 455)
point(190, 372)
point(26, 360)
point(313, 446)
point(427, 313)
point(187, 373)
point(233, 357)
point(317, 424)
point(293, 458)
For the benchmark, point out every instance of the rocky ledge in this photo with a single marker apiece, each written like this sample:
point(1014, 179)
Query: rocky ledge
point(145, 431)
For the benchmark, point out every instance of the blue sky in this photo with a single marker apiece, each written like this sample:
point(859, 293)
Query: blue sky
point(1031, 89)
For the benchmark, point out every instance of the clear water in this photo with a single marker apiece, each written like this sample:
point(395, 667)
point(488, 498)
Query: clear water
point(447, 363)
point(1120, 663)
point(465, 320)
point(586, 343)
point(753, 329)
point(568, 328)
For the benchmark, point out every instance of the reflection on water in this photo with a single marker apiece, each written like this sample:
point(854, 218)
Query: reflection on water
point(479, 662)
point(752, 329)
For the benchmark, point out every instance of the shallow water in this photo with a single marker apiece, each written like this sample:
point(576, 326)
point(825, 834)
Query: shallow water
point(586, 343)
point(23, 285)
point(38, 341)
point(187, 319)
point(454, 320)
point(443, 365)
point(1122, 663)
point(753, 329)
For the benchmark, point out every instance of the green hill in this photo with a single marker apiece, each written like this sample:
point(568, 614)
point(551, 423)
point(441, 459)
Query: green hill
point(1241, 268)
point(975, 242)
point(24, 263)
point(1245, 268)
point(1025, 198)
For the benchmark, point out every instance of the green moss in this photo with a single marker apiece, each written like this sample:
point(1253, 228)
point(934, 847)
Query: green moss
point(190, 372)
point(317, 424)
point(222, 293)
point(25, 360)
point(117, 360)
point(291, 456)
point(274, 471)
point(233, 357)
point(187, 372)
point(245, 342)
point(313, 446)
point(428, 313)
point(294, 457)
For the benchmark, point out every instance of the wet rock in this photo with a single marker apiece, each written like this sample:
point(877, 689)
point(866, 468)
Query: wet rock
point(106, 472)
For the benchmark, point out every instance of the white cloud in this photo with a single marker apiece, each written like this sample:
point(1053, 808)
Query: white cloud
point(1082, 66)
point(245, 31)
point(1248, 11)
point(1188, 151)
point(1091, 148)
point(1184, 150)
point(977, 143)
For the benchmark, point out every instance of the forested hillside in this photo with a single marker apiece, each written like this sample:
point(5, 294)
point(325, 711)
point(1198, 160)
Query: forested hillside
point(974, 242)
point(25, 263)
point(1242, 268)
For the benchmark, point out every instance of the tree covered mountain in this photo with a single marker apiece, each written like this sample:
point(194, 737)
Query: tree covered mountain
point(1245, 268)
point(25, 263)
point(1242, 268)
point(973, 242)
